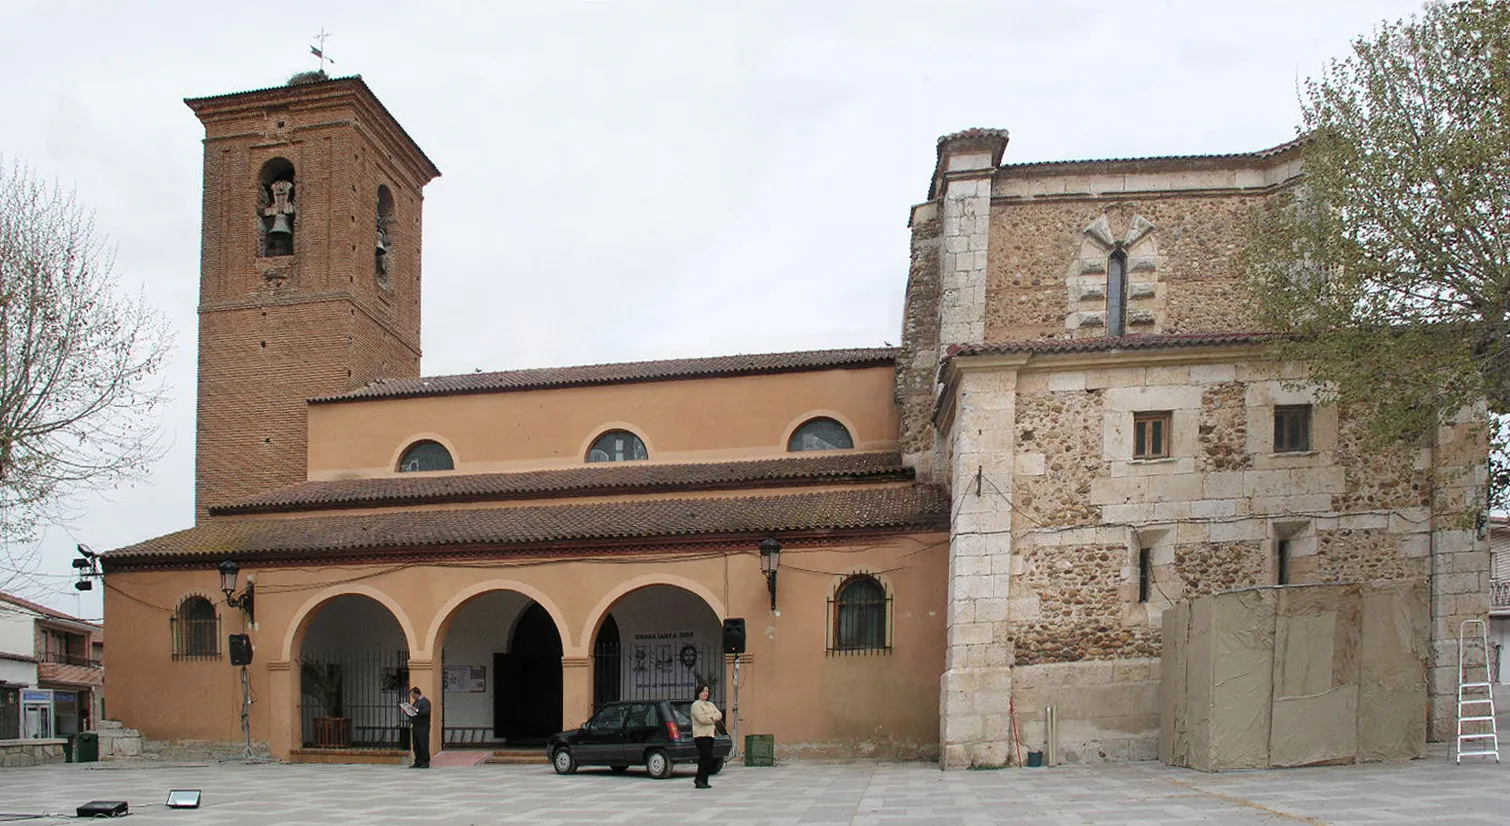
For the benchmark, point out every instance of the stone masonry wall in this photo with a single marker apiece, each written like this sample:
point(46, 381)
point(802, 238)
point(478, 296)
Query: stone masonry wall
point(1047, 268)
point(917, 365)
point(1211, 517)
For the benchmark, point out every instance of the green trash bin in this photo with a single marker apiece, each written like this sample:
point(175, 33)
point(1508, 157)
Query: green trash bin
point(87, 750)
point(68, 749)
point(760, 749)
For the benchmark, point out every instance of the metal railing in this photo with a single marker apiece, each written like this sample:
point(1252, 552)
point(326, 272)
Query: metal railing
point(657, 670)
point(60, 658)
point(350, 699)
point(1499, 595)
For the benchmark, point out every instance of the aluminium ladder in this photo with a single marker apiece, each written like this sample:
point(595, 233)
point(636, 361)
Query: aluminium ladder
point(1477, 733)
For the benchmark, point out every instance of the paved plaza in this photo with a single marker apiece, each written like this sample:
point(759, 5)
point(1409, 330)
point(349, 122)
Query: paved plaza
point(1426, 791)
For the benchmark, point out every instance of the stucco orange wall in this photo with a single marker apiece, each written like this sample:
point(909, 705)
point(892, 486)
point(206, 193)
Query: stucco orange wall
point(680, 421)
point(811, 700)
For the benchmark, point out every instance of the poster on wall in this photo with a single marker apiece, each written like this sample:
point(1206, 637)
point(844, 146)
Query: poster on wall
point(465, 679)
point(665, 664)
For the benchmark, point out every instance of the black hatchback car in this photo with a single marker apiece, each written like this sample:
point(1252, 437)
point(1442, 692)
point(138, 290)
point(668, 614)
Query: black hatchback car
point(654, 733)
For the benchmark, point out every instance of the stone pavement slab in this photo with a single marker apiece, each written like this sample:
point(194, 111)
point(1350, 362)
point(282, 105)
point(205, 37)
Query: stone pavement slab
point(883, 794)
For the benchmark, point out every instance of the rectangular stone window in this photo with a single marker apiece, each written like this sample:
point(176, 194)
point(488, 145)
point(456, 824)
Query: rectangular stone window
point(1151, 434)
point(1292, 428)
point(1282, 562)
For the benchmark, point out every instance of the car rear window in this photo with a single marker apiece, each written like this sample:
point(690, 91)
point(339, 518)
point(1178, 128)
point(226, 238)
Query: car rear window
point(682, 712)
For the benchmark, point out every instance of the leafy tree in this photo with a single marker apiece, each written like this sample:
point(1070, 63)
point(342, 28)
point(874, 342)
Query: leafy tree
point(1389, 261)
point(79, 365)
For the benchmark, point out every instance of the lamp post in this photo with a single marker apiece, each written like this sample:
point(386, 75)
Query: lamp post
point(228, 571)
point(770, 560)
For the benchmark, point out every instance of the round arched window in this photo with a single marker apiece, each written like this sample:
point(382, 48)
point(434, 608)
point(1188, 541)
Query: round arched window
point(860, 615)
point(820, 434)
point(617, 446)
point(425, 455)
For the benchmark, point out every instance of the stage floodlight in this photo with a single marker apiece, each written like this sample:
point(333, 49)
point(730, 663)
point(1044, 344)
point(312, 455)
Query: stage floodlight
point(183, 799)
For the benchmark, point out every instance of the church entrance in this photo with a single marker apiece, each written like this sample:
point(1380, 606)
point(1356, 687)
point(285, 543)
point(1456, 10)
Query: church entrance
point(527, 704)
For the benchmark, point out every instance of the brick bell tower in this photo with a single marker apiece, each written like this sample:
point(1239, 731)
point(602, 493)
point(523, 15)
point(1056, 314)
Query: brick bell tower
point(309, 270)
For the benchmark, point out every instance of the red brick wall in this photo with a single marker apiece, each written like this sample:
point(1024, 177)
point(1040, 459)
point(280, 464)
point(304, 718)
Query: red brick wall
point(276, 331)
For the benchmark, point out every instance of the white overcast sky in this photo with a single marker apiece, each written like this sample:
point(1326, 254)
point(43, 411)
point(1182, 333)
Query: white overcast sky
point(628, 180)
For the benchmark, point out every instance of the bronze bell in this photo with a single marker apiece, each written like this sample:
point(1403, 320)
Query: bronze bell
point(281, 227)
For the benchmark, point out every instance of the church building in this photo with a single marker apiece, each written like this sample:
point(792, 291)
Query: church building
point(927, 545)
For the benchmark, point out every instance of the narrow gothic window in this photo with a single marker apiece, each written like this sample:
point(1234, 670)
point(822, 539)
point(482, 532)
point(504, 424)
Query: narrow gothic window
point(425, 455)
point(1282, 562)
point(820, 434)
point(276, 210)
point(1145, 573)
point(617, 446)
point(1116, 293)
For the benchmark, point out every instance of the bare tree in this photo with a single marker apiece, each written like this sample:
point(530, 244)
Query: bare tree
point(80, 365)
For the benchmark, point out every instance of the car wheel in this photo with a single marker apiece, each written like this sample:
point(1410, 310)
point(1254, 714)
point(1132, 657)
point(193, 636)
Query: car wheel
point(563, 762)
point(718, 766)
point(658, 764)
point(619, 769)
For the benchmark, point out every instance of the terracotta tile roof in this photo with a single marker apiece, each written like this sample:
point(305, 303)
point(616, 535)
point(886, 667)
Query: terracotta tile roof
point(516, 530)
point(1261, 154)
point(1103, 344)
point(42, 609)
point(639, 371)
point(588, 480)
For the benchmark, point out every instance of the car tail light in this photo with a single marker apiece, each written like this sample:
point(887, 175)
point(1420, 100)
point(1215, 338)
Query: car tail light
point(673, 730)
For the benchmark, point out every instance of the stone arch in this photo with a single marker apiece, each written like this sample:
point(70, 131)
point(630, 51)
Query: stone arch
point(443, 615)
point(299, 621)
point(595, 616)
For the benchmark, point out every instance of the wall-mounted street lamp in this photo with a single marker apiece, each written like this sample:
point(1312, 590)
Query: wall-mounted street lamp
point(243, 600)
point(770, 560)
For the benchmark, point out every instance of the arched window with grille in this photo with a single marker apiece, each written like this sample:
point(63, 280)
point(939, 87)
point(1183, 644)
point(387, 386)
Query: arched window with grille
point(860, 611)
point(425, 455)
point(195, 630)
point(617, 446)
point(821, 433)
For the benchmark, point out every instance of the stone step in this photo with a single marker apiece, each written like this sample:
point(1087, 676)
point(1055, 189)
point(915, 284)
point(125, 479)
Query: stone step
point(517, 757)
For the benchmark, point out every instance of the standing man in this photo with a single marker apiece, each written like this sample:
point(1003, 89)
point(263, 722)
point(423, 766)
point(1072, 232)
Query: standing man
point(419, 736)
point(705, 716)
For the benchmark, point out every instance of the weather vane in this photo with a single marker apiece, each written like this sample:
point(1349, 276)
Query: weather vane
point(319, 51)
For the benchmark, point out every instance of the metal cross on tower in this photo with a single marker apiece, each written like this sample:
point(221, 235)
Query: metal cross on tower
point(319, 51)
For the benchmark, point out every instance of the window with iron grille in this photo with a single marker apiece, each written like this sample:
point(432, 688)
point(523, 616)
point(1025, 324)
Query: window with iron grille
point(1292, 428)
point(860, 610)
point(1151, 435)
point(195, 628)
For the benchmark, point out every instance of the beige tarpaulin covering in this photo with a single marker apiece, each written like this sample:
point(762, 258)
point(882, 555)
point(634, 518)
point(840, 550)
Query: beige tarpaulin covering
point(1295, 675)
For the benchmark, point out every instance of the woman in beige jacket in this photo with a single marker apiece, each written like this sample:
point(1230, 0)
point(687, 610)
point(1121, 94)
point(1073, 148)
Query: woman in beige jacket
point(704, 716)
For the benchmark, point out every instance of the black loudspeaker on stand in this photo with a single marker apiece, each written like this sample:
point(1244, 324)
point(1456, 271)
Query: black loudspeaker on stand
point(241, 649)
point(734, 635)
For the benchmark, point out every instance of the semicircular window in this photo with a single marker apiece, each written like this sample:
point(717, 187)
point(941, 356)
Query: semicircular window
point(617, 446)
point(425, 455)
point(820, 434)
